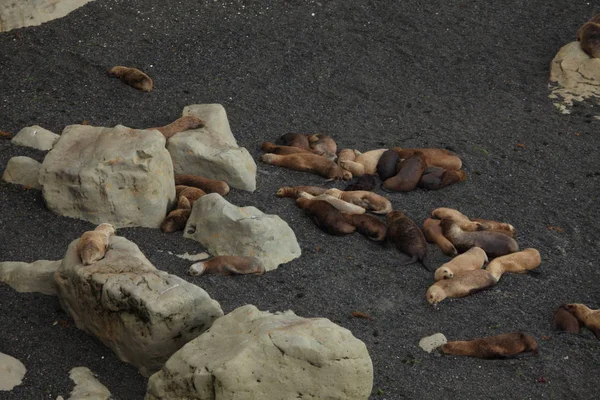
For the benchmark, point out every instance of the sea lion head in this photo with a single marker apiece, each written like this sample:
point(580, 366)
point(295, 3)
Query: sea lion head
point(108, 228)
point(176, 220)
point(577, 309)
point(443, 273)
point(435, 294)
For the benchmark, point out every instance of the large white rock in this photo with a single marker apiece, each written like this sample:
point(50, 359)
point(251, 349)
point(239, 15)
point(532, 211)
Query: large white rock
point(12, 372)
point(144, 315)
point(16, 14)
point(37, 276)
point(24, 171)
point(116, 175)
point(35, 136)
point(228, 230)
point(87, 387)
point(249, 354)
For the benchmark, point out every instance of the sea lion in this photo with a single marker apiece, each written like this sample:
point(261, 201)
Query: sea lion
point(341, 205)
point(470, 260)
point(180, 125)
point(364, 163)
point(294, 192)
point(433, 233)
point(206, 184)
point(565, 321)
point(493, 243)
point(501, 227)
point(228, 265)
point(177, 219)
point(366, 182)
point(588, 317)
point(323, 145)
point(435, 178)
point(368, 225)
point(387, 166)
point(308, 163)
point(269, 147)
point(519, 263)
point(189, 192)
point(326, 216)
point(406, 236)
point(133, 77)
point(368, 200)
point(409, 173)
point(500, 346)
point(294, 140)
point(92, 245)
point(462, 284)
point(346, 155)
point(589, 37)
point(459, 218)
point(433, 157)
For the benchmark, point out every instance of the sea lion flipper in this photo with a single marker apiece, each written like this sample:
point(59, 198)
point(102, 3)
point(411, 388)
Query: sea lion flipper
point(413, 260)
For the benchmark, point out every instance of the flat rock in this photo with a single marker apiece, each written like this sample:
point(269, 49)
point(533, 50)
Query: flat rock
point(249, 354)
point(87, 387)
point(35, 136)
point(430, 343)
point(36, 277)
point(22, 170)
point(12, 372)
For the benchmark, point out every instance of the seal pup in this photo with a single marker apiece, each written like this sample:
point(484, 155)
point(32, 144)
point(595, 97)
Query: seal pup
point(294, 140)
point(368, 200)
point(563, 320)
point(364, 163)
point(500, 346)
point(472, 259)
point(493, 243)
point(387, 166)
point(189, 192)
point(307, 162)
point(92, 245)
point(341, 205)
point(434, 157)
point(368, 225)
point(519, 263)
point(462, 284)
point(407, 237)
point(180, 125)
point(589, 37)
point(409, 173)
point(366, 182)
point(433, 234)
point(295, 191)
point(586, 316)
point(326, 216)
point(133, 77)
point(269, 147)
point(435, 178)
point(322, 145)
point(177, 219)
point(459, 218)
point(206, 184)
point(228, 265)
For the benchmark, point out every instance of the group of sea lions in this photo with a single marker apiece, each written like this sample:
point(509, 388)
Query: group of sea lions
point(570, 318)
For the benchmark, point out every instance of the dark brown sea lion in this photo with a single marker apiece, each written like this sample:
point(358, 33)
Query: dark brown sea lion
point(589, 37)
point(189, 192)
point(295, 191)
point(435, 178)
point(206, 184)
point(269, 147)
point(433, 157)
point(180, 125)
point(409, 173)
point(368, 200)
point(326, 217)
point(586, 316)
point(368, 225)
point(366, 182)
point(472, 259)
point(133, 77)
point(228, 265)
point(518, 263)
point(308, 163)
point(493, 243)
point(462, 284)
point(406, 236)
point(294, 140)
point(387, 166)
point(433, 233)
point(92, 245)
point(500, 346)
point(323, 145)
point(565, 321)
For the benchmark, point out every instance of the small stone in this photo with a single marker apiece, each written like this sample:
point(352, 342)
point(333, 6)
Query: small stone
point(430, 343)
point(87, 387)
point(36, 137)
point(24, 171)
point(12, 372)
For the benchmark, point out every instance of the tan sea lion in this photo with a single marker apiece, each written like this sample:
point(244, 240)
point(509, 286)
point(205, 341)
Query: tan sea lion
point(326, 216)
point(435, 178)
point(500, 346)
point(92, 245)
point(493, 243)
point(364, 163)
point(488, 225)
point(189, 192)
point(177, 219)
point(565, 321)
point(269, 147)
point(206, 184)
point(368, 200)
point(519, 263)
point(409, 173)
point(323, 145)
point(459, 218)
point(472, 259)
point(366, 182)
point(133, 77)
point(341, 205)
point(406, 236)
point(294, 192)
point(387, 166)
point(433, 157)
point(346, 155)
point(228, 265)
point(588, 317)
point(308, 163)
point(589, 36)
point(294, 140)
point(433, 233)
point(180, 125)
point(368, 225)
point(462, 284)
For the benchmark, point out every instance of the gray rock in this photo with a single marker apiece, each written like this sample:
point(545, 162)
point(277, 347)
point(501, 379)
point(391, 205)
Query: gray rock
point(249, 354)
point(87, 387)
point(37, 276)
point(17, 14)
point(144, 315)
point(430, 343)
point(117, 175)
point(227, 230)
point(12, 372)
point(35, 136)
point(24, 171)
point(215, 121)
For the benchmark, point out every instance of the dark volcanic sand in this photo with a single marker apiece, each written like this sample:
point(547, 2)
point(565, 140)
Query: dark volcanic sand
point(467, 75)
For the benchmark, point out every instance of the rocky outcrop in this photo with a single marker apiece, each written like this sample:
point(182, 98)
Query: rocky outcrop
point(36, 137)
point(17, 14)
point(23, 171)
point(144, 315)
point(12, 372)
point(36, 277)
point(249, 354)
point(117, 175)
point(227, 230)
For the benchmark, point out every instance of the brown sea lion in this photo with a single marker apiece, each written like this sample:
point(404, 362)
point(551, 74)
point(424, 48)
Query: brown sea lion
point(92, 245)
point(294, 140)
point(406, 236)
point(493, 243)
point(501, 227)
point(206, 184)
point(177, 219)
point(586, 316)
point(500, 346)
point(433, 157)
point(341, 205)
point(294, 192)
point(433, 233)
point(133, 77)
point(189, 192)
point(409, 173)
point(589, 37)
point(228, 265)
point(565, 321)
point(519, 263)
point(368, 225)
point(269, 147)
point(368, 200)
point(180, 125)
point(435, 178)
point(387, 166)
point(364, 163)
point(326, 216)
point(459, 218)
point(472, 259)
point(462, 284)
point(366, 182)
point(308, 163)
point(323, 145)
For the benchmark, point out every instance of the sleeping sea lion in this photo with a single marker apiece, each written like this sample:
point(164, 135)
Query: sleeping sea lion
point(177, 219)
point(133, 77)
point(364, 163)
point(406, 236)
point(326, 216)
point(519, 263)
point(387, 166)
point(308, 163)
point(323, 145)
point(472, 259)
point(433, 157)
point(435, 178)
point(341, 205)
point(269, 147)
point(500, 346)
point(433, 233)
point(368, 200)
point(462, 284)
point(294, 140)
point(180, 125)
point(501, 227)
point(588, 317)
point(366, 182)
point(589, 37)
point(493, 243)
point(206, 184)
point(228, 265)
point(368, 225)
point(346, 155)
point(294, 192)
point(189, 192)
point(459, 218)
point(409, 173)
point(92, 245)
point(565, 321)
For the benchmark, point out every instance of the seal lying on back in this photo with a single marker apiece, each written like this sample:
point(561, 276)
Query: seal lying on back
point(435, 178)
point(500, 346)
point(409, 173)
point(472, 259)
point(433, 157)
point(326, 216)
point(92, 245)
point(133, 77)
point(406, 236)
point(206, 184)
point(308, 163)
point(589, 37)
point(433, 233)
point(565, 321)
point(368, 225)
point(294, 140)
point(588, 317)
point(518, 263)
point(180, 125)
point(493, 243)
point(323, 145)
point(462, 284)
point(366, 182)
point(368, 200)
point(295, 191)
point(269, 147)
point(363, 163)
point(228, 265)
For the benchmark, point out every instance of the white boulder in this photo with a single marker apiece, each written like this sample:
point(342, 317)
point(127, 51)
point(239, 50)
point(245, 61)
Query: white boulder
point(35, 136)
